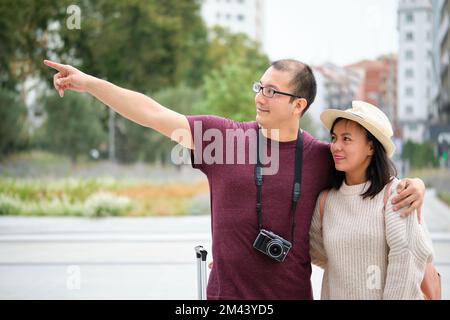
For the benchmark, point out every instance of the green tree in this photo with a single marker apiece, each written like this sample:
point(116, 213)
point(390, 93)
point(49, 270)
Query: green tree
point(308, 124)
point(73, 125)
point(24, 37)
point(228, 92)
point(12, 122)
point(235, 61)
point(420, 155)
point(140, 44)
point(143, 45)
point(225, 47)
point(181, 98)
point(138, 143)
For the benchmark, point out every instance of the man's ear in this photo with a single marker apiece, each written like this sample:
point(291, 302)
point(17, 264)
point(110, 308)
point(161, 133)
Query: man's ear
point(300, 105)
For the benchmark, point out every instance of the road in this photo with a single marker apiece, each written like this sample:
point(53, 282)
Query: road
point(133, 258)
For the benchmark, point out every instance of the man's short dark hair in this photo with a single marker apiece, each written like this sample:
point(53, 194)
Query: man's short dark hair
point(303, 80)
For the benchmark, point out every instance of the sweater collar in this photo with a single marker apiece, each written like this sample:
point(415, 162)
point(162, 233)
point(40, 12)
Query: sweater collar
point(356, 189)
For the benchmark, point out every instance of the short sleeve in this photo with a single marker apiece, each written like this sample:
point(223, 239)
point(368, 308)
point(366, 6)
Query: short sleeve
point(204, 130)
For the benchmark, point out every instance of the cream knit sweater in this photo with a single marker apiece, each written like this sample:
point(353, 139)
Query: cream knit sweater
point(366, 252)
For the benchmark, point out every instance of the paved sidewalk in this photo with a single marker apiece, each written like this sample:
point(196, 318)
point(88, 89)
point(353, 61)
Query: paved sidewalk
point(113, 258)
point(133, 258)
point(436, 213)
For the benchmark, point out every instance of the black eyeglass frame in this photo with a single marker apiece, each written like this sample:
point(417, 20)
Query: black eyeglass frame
point(261, 88)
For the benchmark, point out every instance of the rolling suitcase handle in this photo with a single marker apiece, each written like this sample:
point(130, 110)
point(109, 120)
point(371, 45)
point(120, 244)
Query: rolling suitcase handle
point(201, 254)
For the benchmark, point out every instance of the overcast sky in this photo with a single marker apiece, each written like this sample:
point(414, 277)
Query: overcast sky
point(339, 31)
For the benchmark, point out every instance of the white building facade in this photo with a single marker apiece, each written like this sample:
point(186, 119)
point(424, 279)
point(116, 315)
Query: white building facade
point(436, 61)
point(239, 16)
point(415, 68)
point(444, 61)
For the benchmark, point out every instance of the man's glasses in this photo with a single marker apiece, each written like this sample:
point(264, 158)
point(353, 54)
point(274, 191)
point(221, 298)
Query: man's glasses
point(268, 91)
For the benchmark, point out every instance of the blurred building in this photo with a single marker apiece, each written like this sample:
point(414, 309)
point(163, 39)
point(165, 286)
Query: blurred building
point(374, 81)
point(244, 16)
point(320, 103)
point(414, 68)
point(439, 131)
point(435, 63)
point(337, 87)
point(340, 85)
point(444, 61)
point(378, 85)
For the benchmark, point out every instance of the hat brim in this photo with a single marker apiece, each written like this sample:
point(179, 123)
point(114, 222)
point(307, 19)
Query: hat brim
point(329, 116)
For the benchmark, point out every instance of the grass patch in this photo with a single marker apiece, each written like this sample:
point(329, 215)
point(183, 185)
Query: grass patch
point(35, 156)
point(437, 178)
point(445, 197)
point(428, 172)
point(95, 197)
point(162, 199)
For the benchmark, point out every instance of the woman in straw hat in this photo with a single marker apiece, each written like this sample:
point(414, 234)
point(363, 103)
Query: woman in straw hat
point(367, 250)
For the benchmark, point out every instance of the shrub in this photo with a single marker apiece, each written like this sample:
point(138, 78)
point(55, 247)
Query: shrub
point(103, 204)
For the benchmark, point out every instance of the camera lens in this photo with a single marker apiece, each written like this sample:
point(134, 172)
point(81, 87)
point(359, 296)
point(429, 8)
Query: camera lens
point(275, 248)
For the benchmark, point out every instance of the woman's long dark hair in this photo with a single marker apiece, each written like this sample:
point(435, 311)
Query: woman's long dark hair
point(380, 171)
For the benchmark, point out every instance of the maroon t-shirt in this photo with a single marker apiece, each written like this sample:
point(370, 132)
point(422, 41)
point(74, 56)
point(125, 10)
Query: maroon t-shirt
point(240, 271)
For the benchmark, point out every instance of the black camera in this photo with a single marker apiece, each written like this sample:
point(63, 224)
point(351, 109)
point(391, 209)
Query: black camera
point(272, 245)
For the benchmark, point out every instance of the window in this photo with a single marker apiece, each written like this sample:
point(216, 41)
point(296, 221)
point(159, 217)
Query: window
point(240, 17)
point(409, 55)
point(412, 126)
point(409, 110)
point(409, 17)
point(409, 91)
point(409, 36)
point(409, 73)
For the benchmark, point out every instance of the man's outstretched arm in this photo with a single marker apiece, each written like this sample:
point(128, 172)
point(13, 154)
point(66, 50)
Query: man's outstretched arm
point(132, 105)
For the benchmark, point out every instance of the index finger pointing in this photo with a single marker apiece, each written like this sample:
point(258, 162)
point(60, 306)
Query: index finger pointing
point(54, 65)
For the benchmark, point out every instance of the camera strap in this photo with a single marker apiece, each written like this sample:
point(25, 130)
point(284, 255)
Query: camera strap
point(297, 180)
